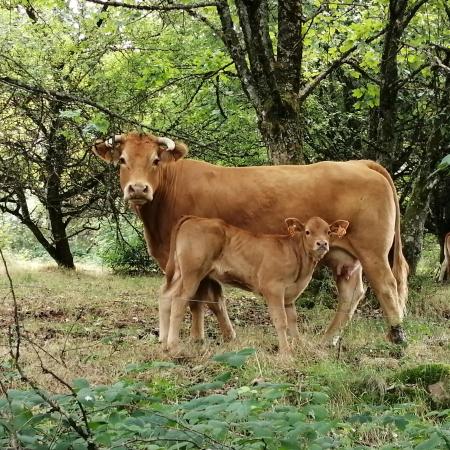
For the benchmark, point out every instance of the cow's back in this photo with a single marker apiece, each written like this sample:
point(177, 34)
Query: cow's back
point(258, 199)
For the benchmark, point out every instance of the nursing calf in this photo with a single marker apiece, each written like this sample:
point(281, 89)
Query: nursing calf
point(279, 267)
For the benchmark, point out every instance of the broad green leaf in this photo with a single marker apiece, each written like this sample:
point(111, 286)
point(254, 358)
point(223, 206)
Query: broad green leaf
point(235, 359)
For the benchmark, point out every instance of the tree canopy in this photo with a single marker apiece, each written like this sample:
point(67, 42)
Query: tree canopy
point(242, 82)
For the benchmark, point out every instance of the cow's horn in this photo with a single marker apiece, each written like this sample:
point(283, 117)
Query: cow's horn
point(167, 142)
point(117, 140)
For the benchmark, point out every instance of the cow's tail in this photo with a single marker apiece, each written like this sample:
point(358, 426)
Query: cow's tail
point(400, 267)
point(170, 266)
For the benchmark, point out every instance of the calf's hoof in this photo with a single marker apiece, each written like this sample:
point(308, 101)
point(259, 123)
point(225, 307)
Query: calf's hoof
point(397, 335)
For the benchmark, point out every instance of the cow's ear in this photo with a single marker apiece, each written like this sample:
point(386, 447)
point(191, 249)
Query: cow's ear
point(294, 225)
point(339, 228)
point(180, 151)
point(106, 150)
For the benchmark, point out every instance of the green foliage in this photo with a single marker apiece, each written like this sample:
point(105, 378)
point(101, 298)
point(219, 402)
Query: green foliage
point(130, 414)
point(445, 164)
point(121, 247)
point(425, 374)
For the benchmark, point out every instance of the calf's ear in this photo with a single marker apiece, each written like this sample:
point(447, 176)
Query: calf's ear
point(107, 150)
point(294, 225)
point(339, 228)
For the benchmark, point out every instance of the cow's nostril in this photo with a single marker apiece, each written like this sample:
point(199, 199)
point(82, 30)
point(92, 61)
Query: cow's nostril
point(145, 190)
point(130, 189)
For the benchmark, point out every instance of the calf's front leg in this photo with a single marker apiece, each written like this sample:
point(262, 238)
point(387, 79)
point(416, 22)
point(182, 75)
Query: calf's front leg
point(277, 311)
point(291, 314)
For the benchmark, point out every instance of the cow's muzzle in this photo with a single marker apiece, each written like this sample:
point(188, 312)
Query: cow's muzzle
point(138, 193)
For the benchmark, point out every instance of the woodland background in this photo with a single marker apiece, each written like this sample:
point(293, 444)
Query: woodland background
point(242, 83)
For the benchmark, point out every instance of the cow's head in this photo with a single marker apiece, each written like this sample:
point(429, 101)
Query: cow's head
point(141, 158)
point(316, 234)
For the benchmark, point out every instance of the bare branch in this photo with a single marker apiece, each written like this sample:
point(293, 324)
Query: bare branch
point(16, 353)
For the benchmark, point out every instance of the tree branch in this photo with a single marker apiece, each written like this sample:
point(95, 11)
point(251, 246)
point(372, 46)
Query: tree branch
point(309, 87)
point(232, 42)
point(168, 7)
point(67, 97)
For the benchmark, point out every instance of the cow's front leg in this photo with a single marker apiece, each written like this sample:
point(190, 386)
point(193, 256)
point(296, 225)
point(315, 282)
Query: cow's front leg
point(165, 301)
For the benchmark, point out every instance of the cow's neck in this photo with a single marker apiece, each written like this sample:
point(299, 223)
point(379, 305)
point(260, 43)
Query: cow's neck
point(158, 216)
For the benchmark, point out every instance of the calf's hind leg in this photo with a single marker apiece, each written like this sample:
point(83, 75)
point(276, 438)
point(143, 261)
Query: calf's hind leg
point(184, 291)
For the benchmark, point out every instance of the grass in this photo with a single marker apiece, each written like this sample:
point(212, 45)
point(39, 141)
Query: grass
point(93, 324)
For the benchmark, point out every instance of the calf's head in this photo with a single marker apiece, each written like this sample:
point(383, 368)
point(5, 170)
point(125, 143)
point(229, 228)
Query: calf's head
point(316, 234)
point(141, 158)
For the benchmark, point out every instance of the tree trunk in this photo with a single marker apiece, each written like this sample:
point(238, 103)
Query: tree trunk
point(270, 80)
point(56, 151)
point(383, 139)
point(414, 219)
point(282, 134)
point(419, 205)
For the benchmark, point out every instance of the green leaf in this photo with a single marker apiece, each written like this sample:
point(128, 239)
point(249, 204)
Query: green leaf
point(143, 367)
point(445, 163)
point(434, 442)
point(235, 359)
point(70, 113)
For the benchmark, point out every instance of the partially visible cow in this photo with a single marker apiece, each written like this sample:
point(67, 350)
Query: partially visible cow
point(278, 267)
point(162, 186)
point(445, 268)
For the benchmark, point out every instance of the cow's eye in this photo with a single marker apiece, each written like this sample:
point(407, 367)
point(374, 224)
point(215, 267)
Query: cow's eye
point(156, 161)
point(307, 232)
point(121, 160)
point(329, 232)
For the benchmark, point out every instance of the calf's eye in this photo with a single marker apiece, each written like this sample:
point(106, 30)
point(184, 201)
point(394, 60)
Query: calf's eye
point(307, 233)
point(156, 161)
point(121, 160)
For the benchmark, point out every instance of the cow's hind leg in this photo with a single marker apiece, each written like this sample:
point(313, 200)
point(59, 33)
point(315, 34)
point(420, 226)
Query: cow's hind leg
point(351, 292)
point(444, 268)
point(383, 283)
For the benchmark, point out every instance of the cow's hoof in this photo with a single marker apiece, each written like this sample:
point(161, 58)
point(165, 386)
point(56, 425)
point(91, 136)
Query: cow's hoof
point(330, 341)
point(230, 336)
point(397, 335)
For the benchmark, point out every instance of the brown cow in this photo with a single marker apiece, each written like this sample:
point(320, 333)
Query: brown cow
point(162, 186)
point(445, 268)
point(278, 267)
